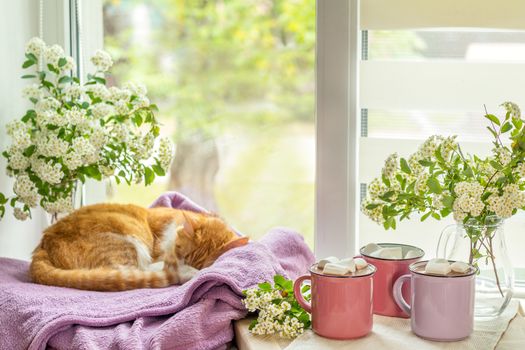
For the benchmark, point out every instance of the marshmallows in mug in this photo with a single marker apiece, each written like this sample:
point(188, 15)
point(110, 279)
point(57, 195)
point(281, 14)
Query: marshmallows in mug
point(443, 267)
point(333, 266)
point(394, 252)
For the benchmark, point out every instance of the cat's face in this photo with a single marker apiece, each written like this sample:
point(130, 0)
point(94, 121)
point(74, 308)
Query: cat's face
point(204, 239)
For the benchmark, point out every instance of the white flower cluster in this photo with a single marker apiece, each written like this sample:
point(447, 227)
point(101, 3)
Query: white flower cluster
point(521, 171)
point(19, 214)
point(512, 108)
point(165, 152)
point(32, 91)
point(511, 199)
point(273, 317)
point(102, 60)
point(77, 131)
point(35, 46)
point(468, 200)
point(53, 53)
point(26, 190)
point(375, 213)
point(503, 155)
point(61, 205)
point(390, 168)
point(421, 182)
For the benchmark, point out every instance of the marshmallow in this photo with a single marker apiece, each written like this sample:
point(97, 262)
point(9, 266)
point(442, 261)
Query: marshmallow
point(438, 267)
point(335, 269)
point(348, 262)
point(331, 259)
point(411, 254)
point(360, 263)
point(388, 253)
point(370, 248)
point(460, 267)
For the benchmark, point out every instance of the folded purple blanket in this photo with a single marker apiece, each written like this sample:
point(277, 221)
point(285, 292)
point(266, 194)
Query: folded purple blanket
point(196, 315)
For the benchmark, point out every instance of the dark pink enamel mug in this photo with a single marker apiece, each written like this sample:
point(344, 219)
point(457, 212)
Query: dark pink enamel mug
point(341, 306)
point(442, 307)
point(388, 271)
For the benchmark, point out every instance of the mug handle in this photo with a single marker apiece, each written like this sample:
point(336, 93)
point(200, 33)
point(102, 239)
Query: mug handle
point(398, 294)
point(299, 296)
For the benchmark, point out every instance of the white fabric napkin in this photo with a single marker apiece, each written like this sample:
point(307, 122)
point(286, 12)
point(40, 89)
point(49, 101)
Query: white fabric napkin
point(394, 334)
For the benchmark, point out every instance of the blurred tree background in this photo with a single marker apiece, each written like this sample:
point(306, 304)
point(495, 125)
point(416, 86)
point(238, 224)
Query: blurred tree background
point(234, 81)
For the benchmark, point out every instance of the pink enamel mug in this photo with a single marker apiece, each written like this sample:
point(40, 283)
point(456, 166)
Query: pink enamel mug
point(388, 271)
point(341, 306)
point(442, 306)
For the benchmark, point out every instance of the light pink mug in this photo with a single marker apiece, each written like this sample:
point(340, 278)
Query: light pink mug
point(388, 271)
point(341, 306)
point(442, 306)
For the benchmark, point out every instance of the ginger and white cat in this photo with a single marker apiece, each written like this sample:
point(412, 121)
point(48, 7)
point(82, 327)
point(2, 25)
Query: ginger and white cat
point(113, 247)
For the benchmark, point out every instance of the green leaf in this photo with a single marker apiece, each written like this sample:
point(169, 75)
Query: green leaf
point(28, 64)
point(62, 62)
point(31, 57)
point(445, 212)
point(492, 132)
point(52, 68)
point(493, 119)
point(47, 84)
point(436, 216)
point(279, 280)
point(158, 170)
point(404, 166)
point(28, 152)
point(518, 123)
point(64, 79)
point(93, 172)
point(28, 76)
point(3, 199)
point(252, 324)
point(372, 206)
point(137, 119)
point(506, 127)
point(434, 185)
point(305, 288)
point(426, 163)
point(265, 286)
point(447, 201)
point(149, 176)
point(424, 217)
point(496, 165)
point(100, 80)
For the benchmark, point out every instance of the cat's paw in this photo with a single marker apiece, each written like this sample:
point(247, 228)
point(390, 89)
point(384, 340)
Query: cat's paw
point(186, 273)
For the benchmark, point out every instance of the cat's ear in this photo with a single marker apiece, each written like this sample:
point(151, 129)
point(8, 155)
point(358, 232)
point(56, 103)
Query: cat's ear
point(238, 242)
point(188, 224)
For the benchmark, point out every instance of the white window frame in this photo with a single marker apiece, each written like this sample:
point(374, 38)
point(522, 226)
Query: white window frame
point(337, 128)
point(77, 26)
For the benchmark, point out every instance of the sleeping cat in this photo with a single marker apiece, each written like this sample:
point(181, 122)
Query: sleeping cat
point(113, 247)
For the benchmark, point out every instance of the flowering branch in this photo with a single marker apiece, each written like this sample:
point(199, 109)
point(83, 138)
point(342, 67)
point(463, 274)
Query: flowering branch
point(78, 131)
point(278, 311)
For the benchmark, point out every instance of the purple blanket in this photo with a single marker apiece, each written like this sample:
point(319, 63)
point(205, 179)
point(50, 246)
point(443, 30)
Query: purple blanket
point(196, 315)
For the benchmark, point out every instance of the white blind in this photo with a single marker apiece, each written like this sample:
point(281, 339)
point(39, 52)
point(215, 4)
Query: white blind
point(428, 67)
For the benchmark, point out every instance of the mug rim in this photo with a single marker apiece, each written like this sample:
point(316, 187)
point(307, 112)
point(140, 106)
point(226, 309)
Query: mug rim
point(397, 245)
point(371, 273)
point(413, 266)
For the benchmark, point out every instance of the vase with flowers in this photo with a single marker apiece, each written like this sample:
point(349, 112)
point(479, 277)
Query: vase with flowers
point(76, 131)
point(480, 192)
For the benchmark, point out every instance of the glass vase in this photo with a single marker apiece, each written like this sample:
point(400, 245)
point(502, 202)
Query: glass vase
point(77, 197)
point(482, 244)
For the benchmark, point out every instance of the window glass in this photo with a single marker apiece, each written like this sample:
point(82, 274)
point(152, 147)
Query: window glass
point(234, 81)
